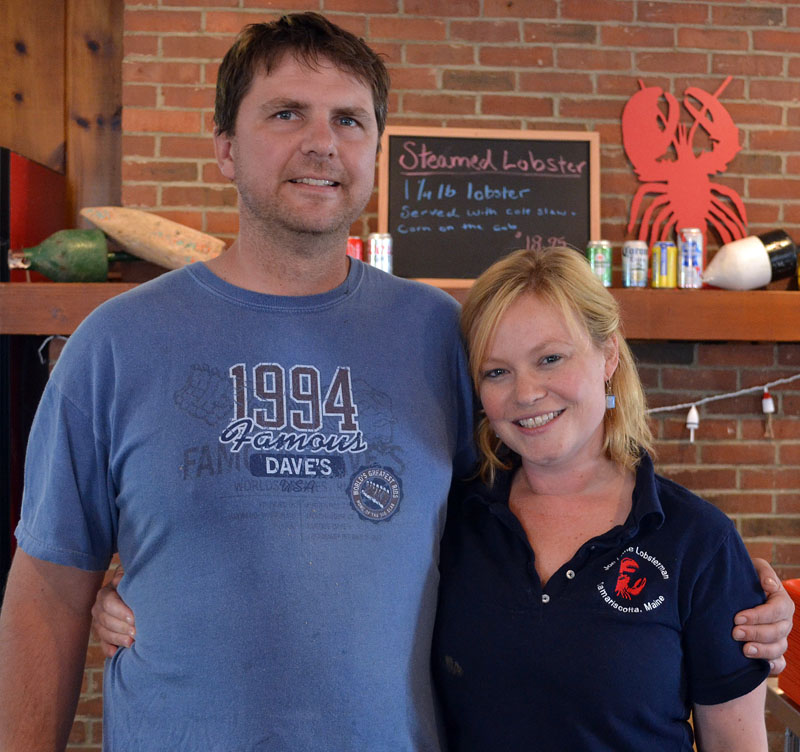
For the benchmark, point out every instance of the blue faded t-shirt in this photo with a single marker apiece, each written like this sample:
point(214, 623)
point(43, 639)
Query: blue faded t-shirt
point(273, 472)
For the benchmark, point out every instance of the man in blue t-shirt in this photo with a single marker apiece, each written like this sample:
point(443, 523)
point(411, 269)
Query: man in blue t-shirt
point(267, 440)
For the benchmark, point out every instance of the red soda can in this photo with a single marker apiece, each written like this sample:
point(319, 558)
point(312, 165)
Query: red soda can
point(355, 248)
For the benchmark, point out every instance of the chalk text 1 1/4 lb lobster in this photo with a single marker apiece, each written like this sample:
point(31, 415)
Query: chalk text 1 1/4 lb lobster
point(664, 157)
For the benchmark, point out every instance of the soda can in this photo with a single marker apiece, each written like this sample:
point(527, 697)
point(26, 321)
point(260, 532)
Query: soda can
point(355, 248)
point(599, 254)
point(380, 251)
point(634, 263)
point(690, 258)
point(664, 264)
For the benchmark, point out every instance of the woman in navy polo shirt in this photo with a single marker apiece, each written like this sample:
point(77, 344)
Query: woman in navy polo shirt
point(586, 603)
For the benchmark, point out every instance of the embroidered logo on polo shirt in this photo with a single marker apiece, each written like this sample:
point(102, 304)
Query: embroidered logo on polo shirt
point(376, 493)
point(637, 575)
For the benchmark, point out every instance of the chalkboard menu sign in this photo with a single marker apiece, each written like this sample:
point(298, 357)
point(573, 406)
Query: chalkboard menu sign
point(455, 199)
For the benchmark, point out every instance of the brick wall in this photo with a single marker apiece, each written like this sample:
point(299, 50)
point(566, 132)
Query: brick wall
point(531, 64)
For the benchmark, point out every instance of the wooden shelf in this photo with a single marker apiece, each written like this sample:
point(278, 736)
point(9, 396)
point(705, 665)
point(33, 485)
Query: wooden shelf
point(693, 315)
point(51, 308)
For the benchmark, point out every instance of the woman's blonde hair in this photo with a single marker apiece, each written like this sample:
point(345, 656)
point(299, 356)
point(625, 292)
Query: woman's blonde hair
point(563, 278)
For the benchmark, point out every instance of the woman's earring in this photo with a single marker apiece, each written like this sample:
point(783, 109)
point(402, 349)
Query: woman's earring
point(611, 400)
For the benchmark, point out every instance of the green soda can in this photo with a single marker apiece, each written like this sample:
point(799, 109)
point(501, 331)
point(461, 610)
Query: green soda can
point(599, 254)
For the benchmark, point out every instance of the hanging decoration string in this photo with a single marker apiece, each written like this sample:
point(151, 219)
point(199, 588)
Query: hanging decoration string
point(717, 397)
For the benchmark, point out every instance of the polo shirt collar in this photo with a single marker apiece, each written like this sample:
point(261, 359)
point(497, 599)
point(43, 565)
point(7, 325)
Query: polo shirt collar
point(646, 511)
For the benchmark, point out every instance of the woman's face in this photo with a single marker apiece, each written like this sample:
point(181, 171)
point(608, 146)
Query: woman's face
point(542, 386)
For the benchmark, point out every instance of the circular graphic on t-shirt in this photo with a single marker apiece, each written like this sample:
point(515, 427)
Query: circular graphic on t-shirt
point(375, 493)
point(635, 582)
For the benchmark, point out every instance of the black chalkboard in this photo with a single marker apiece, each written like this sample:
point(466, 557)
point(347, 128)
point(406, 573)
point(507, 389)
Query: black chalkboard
point(456, 199)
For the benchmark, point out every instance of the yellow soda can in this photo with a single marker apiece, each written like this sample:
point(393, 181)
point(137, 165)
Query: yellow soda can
point(664, 264)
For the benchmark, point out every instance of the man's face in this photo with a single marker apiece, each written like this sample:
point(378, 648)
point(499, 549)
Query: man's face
point(303, 153)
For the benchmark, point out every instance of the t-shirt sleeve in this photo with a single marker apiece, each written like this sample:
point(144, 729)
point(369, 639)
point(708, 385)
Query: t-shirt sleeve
point(465, 458)
point(67, 507)
point(716, 667)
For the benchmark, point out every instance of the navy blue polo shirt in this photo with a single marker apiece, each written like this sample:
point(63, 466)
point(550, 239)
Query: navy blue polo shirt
point(614, 650)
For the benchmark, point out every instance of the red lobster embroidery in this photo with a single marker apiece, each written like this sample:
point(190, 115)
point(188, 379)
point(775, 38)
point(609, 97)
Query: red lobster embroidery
point(624, 588)
point(686, 197)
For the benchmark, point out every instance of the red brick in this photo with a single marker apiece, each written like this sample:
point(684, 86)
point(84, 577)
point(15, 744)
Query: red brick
point(591, 109)
point(560, 33)
point(418, 29)
point(780, 188)
point(493, 122)
point(673, 13)
point(516, 57)
point(144, 45)
point(232, 21)
point(747, 17)
point(636, 36)
point(696, 380)
point(196, 46)
point(755, 65)
point(762, 550)
point(489, 32)
point(734, 355)
point(787, 553)
point(591, 59)
point(787, 502)
point(712, 39)
point(357, 6)
point(167, 121)
point(741, 503)
point(556, 82)
point(495, 8)
point(782, 428)
point(158, 172)
point(774, 527)
point(788, 354)
point(739, 453)
point(660, 62)
point(198, 196)
point(414, 78)
point(775, 91)
point(480, 81)
point(162, 20)
point(754, 163)
point(767, 478)
point(195, 97)
point(677, 452)
point(450, 104)
point(160, 72)
point(284, 5)
point(700, 479)
point(192, 147)
point(492, 104)
point(390, 52)
point(608, 10)
point(446, 8)
point(775, 140)
point(439, 54)
point(139, 196)
point(776, 40)
point(139, 95)
point(765, 214)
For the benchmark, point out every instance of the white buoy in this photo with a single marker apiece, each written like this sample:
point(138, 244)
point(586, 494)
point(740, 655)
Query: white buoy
point(752, 262)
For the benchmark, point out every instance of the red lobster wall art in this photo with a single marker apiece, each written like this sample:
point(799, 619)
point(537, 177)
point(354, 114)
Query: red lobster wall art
point(685, 195)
